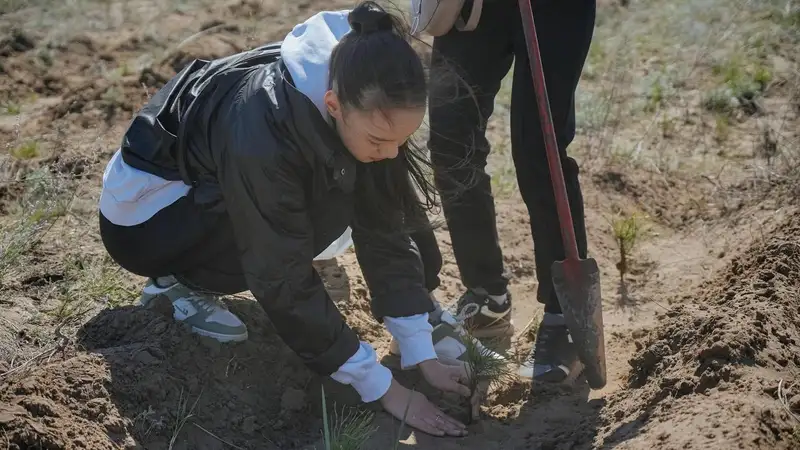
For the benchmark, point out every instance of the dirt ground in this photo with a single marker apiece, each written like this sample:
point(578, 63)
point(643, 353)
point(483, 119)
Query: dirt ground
point(688, 128)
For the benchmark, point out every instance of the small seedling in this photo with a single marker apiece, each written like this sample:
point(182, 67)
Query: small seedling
point(28, 150)
point(628, 231)
point(655, 97)
point(349, 431)
point(485, 371)
point(10, 109)
point(722, 128)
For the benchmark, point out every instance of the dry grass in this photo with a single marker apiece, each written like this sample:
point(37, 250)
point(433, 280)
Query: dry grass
point(182, 415)
point(45, 198)
point(91, 283)
point(653, 82)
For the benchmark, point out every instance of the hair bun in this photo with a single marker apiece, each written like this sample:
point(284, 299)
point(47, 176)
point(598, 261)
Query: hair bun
point(368, 17)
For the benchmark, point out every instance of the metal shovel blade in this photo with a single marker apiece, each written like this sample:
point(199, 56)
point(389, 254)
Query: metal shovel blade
point(577, 284)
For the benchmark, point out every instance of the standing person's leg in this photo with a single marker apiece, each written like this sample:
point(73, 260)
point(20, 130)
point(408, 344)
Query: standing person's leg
point(190, 257)
point(564, 30)
point(459, 148)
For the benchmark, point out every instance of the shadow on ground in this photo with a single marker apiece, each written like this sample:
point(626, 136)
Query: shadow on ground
point(162, 376)
point(173, 387)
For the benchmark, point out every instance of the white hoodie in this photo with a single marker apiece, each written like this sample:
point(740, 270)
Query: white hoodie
point(131, 196)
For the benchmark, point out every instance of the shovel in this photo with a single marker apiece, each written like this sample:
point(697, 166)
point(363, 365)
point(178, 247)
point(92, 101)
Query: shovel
point(576, 281)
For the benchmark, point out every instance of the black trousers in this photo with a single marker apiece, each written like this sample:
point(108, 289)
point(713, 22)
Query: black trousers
point(198, 248)
point(458, 143)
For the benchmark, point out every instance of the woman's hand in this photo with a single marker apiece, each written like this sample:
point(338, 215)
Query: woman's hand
point(420, 413)
point(445, 377)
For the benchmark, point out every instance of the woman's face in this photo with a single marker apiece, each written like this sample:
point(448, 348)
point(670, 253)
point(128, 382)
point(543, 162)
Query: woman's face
point(376, 135)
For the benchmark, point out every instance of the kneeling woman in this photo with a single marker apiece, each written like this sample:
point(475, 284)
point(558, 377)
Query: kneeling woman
point(242, 169)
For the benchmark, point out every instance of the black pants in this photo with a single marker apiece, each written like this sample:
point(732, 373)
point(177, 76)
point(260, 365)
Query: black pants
point(198, 248)
point(458, 143)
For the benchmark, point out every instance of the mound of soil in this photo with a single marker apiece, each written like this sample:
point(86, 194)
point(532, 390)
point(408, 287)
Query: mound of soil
point(708, 375)
point(677, 201)
point(207, 47)
point(16, 42)
point(101, 101)
point(48, 69)
point(142, 374)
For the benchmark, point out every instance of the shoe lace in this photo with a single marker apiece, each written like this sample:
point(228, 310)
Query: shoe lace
point(467, 311)
point(207, 304)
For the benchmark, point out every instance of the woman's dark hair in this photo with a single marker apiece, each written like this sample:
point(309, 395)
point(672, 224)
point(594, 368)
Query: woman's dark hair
point(375, 68)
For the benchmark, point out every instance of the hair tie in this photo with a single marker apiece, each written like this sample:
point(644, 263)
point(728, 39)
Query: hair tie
point(369, 18)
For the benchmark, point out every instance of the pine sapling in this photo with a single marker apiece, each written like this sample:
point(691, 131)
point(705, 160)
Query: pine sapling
point(486, 370)
point(628, 231)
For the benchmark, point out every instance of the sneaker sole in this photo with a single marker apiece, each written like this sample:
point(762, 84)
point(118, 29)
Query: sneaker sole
point(220, 337)
point(575, 373)
point(223, 338)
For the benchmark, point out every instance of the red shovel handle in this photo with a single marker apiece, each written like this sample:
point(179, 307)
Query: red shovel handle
point(546, 118)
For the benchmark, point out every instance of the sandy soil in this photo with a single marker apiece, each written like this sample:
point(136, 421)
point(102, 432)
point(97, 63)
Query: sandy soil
point(703, 332)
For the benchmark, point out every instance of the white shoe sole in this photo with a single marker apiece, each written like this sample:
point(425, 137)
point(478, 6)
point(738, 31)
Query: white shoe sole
point(526, 373)
point(220, 337)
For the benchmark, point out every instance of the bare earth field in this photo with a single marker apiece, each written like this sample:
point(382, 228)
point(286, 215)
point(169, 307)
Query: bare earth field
point(689, 143)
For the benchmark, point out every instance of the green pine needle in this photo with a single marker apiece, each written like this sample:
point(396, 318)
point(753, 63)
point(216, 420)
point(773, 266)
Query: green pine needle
point(350, 430)
point(483, 367)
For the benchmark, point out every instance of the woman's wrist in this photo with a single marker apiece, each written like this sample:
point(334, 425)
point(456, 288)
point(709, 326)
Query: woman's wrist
point(375, 384)
point(394, 387)
point(423, 365)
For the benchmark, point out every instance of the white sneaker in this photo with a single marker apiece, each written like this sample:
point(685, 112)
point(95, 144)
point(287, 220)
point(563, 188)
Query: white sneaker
point(206, 315)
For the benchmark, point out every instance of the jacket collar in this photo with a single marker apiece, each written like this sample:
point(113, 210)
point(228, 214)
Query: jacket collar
point(316, 137)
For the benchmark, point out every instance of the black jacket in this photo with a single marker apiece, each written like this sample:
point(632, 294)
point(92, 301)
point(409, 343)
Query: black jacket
point(255, 147)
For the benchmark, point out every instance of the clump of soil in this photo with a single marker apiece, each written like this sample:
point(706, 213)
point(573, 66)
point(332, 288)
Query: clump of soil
point(16, 42)
point(139, 367)
point(677, 201)
point(31, 68)
point(708, 376)
point(101, 101)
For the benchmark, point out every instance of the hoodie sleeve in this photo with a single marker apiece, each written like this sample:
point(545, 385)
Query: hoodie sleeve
point(393, 271)
point(266, 203)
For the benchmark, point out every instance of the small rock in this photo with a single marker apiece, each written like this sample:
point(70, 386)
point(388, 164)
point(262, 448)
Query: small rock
point(146, 358)
point(293, 400)
point(770, 390)
point(794, 403)
point(9, 413)
point(249, 425)
point(212, 345)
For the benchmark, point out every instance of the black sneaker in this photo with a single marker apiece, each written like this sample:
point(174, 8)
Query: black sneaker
point(485, 317)
point(554, 359)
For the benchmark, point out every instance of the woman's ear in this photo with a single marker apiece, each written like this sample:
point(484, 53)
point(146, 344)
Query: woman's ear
point(333, 105)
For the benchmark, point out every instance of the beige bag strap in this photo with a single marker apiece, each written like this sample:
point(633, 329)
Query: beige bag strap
point(474, 17)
